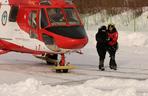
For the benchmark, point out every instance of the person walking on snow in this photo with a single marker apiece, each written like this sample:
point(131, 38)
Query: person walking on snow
point(101, 38)
point(107, 42)
point(112, 45)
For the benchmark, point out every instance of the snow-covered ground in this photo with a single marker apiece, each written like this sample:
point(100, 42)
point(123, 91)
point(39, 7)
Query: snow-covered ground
point(24, 75)
point(100, 87)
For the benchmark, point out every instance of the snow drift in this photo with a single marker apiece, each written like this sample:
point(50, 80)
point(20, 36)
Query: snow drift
point(99, 87)
point(32, 87)
point(138, 39)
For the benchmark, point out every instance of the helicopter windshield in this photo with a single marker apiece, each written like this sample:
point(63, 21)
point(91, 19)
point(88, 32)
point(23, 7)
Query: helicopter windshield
point(56, 16)
point(71, 16)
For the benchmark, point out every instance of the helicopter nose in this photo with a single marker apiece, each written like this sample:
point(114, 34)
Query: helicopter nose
point(72, 43)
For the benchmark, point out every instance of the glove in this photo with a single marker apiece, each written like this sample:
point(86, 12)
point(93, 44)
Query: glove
point(108, 39)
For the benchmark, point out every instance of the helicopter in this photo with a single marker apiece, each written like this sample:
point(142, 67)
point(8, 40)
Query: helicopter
point(43, 28)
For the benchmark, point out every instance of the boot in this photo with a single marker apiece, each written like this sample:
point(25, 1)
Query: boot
point(101, 65)
point(112, 63)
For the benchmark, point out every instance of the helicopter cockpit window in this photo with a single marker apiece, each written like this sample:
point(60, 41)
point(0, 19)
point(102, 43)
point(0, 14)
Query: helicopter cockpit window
point(43, 22)
point(13, 13)
point(32, 19)
point(71, 16)
point(56, 16)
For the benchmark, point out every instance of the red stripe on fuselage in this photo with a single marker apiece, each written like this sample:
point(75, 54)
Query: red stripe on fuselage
point(13, 47)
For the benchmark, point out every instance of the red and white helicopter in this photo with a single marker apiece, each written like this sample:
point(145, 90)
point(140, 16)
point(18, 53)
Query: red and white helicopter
point(44, 28)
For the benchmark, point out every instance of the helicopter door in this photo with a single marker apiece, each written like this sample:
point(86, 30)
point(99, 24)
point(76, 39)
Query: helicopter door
point(33, 23)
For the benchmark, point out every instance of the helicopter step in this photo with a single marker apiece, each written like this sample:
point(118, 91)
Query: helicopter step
point(63, 69)
point(62, 66)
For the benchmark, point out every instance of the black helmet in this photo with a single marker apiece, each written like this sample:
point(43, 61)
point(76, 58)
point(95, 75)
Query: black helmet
point(103, 27)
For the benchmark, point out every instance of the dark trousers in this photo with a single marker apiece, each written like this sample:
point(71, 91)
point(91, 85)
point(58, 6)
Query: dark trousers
point(112, 53)
point(102, 49)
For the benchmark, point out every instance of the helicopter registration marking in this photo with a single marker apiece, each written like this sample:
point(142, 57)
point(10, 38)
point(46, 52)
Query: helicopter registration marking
point(4, 18)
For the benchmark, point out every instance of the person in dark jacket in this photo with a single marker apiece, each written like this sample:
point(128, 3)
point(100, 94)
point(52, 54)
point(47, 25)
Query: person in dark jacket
point(112, 45)
point(107, 42)
point(101, 38)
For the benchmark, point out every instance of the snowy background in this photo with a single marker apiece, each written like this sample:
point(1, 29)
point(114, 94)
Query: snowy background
point(24, 75)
